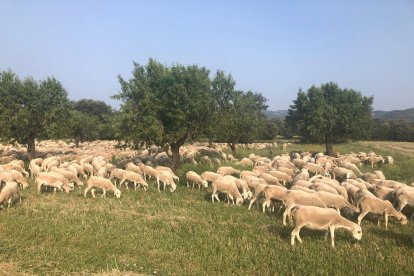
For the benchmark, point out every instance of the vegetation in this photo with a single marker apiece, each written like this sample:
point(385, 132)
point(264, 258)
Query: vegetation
point(330, 114)
point(183, 233)
point(31, 109)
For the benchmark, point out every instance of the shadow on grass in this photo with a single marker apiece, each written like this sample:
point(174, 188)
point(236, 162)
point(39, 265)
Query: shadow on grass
point(401, 239)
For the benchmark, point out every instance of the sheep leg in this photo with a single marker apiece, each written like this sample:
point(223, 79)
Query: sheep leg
point(361, 216)
point(122, 181)
point(104, 193)
point(266, 203)
point(93, 192)
point(86, 190)
point(386, 221)
point(295, 233)
point(332, 229)
point(9, 202)
point(216, 196)
point(188, 185)
point(285, 214)
point(251, 202)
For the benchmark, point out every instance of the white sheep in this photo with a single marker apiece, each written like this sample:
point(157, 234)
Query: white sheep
point(103, 183)
point(281, 176)
point(148, 171)
point(227, 171)
point(9, 191)
point(317, 218)
point(193, 177)
point(167, 179)
point(210, 176)
point(53, 180)
point(13, 175)
point(118, 174)
point(69, 175)
point(374, 205)
point(227, 186)
point(135, 178)
point(273, 192)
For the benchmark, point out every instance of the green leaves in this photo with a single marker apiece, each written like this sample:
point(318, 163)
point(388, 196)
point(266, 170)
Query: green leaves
point(329, 111)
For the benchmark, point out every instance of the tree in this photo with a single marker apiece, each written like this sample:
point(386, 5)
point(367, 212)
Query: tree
point(165, 105)
point(330, 114)
point(238, 116)
point(31, 109)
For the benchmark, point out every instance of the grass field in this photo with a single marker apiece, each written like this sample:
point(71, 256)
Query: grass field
point(184, 233)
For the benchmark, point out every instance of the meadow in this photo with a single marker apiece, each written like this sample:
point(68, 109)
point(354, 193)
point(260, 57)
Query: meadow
point(184, 233)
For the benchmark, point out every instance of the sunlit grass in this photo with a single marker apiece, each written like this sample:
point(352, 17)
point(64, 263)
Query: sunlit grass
point(183, 233)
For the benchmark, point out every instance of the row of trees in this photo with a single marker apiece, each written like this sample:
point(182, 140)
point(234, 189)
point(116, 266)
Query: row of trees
point(171, 105)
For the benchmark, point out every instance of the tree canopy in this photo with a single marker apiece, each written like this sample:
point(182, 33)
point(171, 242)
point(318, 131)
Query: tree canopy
point(31, 109)
point(330, 114)
point(165, 105)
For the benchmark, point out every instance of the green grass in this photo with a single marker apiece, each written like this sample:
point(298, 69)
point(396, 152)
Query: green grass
point(183, 233)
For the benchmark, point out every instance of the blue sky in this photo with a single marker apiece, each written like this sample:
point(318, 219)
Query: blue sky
point(271, 47)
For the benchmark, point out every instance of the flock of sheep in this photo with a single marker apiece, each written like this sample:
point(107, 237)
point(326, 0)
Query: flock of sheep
point(312, 189)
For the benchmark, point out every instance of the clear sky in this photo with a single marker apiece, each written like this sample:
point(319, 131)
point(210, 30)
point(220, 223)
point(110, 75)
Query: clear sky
point(271, 47)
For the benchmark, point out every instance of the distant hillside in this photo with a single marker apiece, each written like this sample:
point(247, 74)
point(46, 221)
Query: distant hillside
point(405, 115)
point(280, 114)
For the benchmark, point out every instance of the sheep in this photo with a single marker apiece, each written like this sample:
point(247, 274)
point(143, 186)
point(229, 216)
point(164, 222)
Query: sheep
point(117, 174)
point(103, 183)
point(34, 170)
point(88, 168)
point(299, 163)
point(134, 177)
point(167, 169)
point(166, 178)
point(148, 171)
point(134, 168)
point(315, 169)
point(13, 175)
point(75, 167)
point(302, 188)
point(352, 167)
point(343, 173)
point(372, 204)
point(390, 184)
point(384, 193)
point(296, 197)
point(102, 172)
point(320, 186)
point(335, 201)
point(270, 179)
point(272, 192)
point(403, 198)
point(228, 187)
point(245, 162)
point(69, 175)
point(243, 174)
point(290, 172)
point(375, 160)
point(281, 176)
point(54, 180)
point(333, 184)
point(258, 192)
point(389, 160)
point(210, 176)
point(227, 171)
point(258, 170)
point(9, 191)
point(205, 160)
point(193, 177)
point(317, 218)
point(303, 175)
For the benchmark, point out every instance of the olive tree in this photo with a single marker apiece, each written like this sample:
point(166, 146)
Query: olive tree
point(31, 109)
point(330, 114)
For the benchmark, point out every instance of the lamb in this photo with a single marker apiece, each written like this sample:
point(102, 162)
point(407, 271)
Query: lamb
point(227, 171)
point(54, 180)
point(296, 197)
point(228, 187)
point(210, 176)
point(135, 178)
point(378, 206)
point(193, 177)
point(103, 183)
point(317, 218)
point(166, 179)
point(10, 190)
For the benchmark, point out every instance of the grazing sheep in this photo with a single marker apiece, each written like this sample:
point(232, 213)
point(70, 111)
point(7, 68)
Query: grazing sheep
point(258, 170)
point(303, 175)
point(404, 197)
point(193, 177)
point(148, 171)
point(227, 171)
point(69, 175)
point(245, 162)
point(210, 176)
point(290, 172)
point(273, 192)
point(374, 205)
point(243, 174)
point(9, 191)
point(53, 180)
point(166, 178)
point(117, 174)
point(372, 160)
point(161, 169)
point(315, 169)
point(352, 167)
point(103, 183)
point(342, 173)
point(13, 176)
point(102, 172)
point(317, 218)
point(320, 186)
point(88, 168)
point(270, 179)
point(389, 160)
point(335, 201)
point(134, 168)
point(281, 176)
point(227, 186)
point(134, 177)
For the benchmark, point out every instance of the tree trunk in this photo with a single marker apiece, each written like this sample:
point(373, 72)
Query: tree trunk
point(175, 149)
point(233, 149)
point(31, 146)
point(329, 144)
point(77, 140)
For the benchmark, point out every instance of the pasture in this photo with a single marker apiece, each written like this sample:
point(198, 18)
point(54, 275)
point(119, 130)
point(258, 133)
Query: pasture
point(184, 233)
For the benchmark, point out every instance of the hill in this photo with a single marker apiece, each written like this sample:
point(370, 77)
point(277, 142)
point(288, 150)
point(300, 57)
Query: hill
point(405, 115)
point(280, 114)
